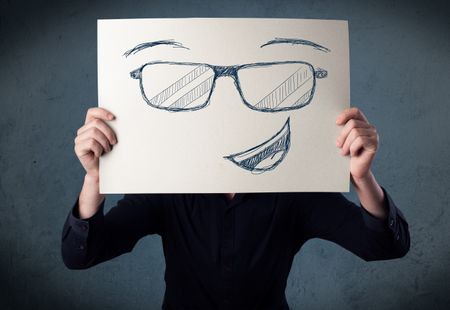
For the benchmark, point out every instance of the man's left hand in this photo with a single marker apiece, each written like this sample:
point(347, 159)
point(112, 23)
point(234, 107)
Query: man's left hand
point(359, 139)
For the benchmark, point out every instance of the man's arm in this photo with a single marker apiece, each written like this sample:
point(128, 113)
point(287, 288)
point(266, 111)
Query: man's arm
point(89, 237)
point(90, 241)
point(377, 230)
point(330, 216)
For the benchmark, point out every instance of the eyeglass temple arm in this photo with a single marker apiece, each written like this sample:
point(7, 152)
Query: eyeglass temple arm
point(320, 73)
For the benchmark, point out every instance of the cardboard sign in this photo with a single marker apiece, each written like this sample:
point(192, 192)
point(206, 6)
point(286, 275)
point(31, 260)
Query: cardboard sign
point(208, 105)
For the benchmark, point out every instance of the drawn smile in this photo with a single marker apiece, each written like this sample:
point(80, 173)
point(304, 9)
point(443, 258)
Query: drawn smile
point(267, 155)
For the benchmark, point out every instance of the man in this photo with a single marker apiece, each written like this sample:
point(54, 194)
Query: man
point(232, 251)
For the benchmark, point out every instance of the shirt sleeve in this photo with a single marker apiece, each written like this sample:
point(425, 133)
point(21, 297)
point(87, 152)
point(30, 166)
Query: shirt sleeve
point(330, 216)
point(87, 242)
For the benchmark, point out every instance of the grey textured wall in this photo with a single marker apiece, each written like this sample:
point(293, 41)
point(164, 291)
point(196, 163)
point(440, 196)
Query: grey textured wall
point(399, 76)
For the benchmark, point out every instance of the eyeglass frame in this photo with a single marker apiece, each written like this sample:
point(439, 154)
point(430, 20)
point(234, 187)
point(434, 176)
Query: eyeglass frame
point(221, 71)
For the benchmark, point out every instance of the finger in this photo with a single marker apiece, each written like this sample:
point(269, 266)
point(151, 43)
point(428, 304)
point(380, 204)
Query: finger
point(89, 145)
point(101, 113)
point(102, 126)
point(353, 135)
point(353, 123)
point(365, 143)
point(351, 113)
point(94, 133)
point(357, 145)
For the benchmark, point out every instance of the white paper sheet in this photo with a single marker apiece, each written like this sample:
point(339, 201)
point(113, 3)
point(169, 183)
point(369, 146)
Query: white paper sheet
point(191, 118)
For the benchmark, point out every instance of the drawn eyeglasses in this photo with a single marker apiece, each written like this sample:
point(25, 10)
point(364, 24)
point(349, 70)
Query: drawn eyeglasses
point(263, 86)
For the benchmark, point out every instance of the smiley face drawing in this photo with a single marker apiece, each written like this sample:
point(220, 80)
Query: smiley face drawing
point(282, 86)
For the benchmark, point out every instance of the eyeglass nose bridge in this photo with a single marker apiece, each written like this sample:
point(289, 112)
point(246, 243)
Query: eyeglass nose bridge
point(225, 71)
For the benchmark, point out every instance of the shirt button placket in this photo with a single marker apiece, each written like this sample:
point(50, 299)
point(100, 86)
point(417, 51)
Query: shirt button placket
point(227, 257)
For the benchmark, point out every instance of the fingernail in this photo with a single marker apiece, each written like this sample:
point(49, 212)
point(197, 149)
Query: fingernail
point(110, 116)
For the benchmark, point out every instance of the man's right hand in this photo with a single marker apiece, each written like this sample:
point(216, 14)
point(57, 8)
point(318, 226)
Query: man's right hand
point(93, 139)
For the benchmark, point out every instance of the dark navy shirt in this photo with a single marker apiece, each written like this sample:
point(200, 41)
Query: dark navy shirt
point(231, 254)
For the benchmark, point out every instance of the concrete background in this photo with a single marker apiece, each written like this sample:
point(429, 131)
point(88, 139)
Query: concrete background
point(399, 77)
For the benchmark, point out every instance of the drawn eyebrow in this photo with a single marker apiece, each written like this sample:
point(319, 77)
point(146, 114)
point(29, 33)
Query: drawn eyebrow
point(297, 41)
point(145, 45)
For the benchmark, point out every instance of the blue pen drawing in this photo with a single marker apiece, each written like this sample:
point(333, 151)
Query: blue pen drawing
point(297, 41)
point(267, 155)
point(263, 86)
point(189, 85)
point(145, 45)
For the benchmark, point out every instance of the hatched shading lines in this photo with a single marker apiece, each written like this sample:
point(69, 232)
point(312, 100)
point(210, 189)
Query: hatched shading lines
point(198, 91)
point(160, 98)
point(285, 89)
point(278, 146)
point(303, 98)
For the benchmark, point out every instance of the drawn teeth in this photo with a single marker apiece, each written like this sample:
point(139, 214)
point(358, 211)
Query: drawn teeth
point(267, 155)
